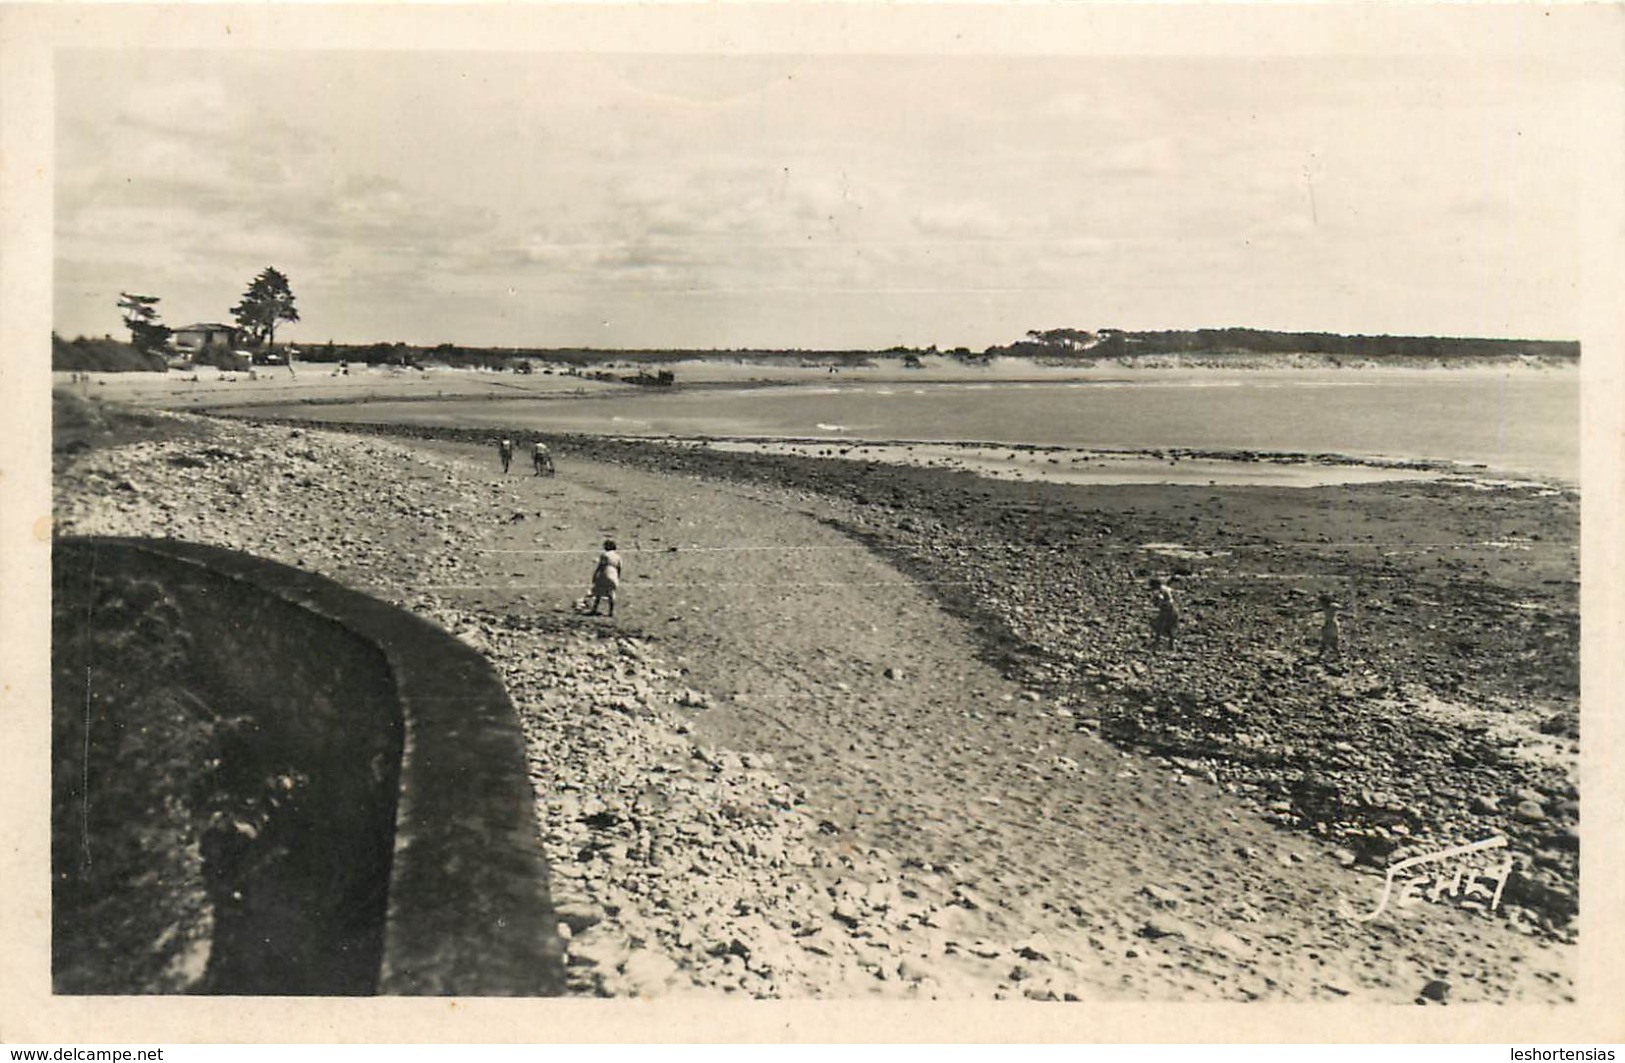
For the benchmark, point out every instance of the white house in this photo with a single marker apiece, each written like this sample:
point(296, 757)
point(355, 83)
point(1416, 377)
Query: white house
point(206, 334)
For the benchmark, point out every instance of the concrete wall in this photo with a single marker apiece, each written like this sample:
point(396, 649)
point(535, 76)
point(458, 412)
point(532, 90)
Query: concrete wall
point(408, 862)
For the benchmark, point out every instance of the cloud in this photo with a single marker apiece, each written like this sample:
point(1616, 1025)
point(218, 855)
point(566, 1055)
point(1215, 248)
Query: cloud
point(182, 105)
point(966, 220)
point(419, 180)
point(1138, 158)
point(751, 203)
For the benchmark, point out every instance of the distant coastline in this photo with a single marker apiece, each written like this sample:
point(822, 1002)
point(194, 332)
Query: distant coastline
point(1058, 348)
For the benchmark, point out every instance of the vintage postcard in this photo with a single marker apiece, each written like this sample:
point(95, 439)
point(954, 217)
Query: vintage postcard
point(838, 522)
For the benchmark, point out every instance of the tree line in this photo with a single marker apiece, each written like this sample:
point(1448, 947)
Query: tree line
point(1219, 342)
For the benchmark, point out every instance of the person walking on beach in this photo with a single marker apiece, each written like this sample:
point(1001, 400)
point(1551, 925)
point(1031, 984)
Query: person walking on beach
point(1331, 633)
point(1166, 619)
point(505, 452)
point(606, 577)
point(541, 459)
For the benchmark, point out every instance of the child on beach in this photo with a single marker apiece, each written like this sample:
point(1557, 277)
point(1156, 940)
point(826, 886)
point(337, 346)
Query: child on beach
point(540, 459)
point(1331, 634)
point(505, 452)
point(606, 577)
point(1166, 619)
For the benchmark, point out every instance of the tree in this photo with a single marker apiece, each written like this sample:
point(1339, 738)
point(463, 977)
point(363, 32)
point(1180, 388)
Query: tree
point(267, 302)
point(141, 318)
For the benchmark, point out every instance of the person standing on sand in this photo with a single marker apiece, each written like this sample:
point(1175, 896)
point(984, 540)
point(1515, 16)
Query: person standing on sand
point(541, 459)
point(1166, 619)
point(606, 577)
point(505, 452)
point(1331, 633)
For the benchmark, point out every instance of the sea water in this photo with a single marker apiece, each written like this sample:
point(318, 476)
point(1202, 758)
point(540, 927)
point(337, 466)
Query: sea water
point(1522, 421)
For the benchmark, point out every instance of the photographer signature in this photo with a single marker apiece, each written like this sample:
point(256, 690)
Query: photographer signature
point(1468, 880)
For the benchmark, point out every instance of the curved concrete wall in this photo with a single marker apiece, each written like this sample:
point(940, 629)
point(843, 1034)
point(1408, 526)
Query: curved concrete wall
point(420, 871)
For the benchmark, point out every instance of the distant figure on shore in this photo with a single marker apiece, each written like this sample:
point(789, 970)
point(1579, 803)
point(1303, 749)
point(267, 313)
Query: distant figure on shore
point(505, 452)
point(541, 459)
point(1166, 619)
point(1331, 633)
point(606, 577)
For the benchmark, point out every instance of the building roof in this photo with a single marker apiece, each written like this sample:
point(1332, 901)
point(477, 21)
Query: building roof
point(207, 326)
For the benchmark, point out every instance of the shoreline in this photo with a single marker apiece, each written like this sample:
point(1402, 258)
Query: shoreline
point(1176, 465)
point(1042, 583)
point(529, 406)
point(1003, 368)
point(322, 384)
point(976, 456)
point(1080, 641)
point(902, 509)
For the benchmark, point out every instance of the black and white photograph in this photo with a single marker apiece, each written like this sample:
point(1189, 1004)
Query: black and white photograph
point(903, 512)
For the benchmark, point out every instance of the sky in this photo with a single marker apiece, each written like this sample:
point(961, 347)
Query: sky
point(817, 201)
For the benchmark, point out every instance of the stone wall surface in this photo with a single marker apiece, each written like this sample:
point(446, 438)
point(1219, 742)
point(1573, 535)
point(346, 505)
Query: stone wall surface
point(379, 836)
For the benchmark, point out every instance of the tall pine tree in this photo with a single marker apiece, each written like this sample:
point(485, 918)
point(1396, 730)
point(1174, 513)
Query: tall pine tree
point(141, 318)
point(268, 302)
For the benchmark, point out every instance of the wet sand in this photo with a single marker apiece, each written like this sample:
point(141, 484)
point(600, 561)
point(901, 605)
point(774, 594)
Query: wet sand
point(1076, 465)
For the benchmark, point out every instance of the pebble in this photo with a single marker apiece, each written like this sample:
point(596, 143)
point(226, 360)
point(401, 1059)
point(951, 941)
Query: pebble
point(1160, 896)
point(1437, 990)
point(1528, 812)
point(1157, 927)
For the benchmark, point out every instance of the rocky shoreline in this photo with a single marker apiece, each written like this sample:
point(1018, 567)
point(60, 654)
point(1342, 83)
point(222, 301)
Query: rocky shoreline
point(686, 862)
point(676, 865)
point(1455, 714)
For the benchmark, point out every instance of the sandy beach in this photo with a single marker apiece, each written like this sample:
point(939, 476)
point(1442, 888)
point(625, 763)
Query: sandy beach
point(872, 729)
point(321, 382)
